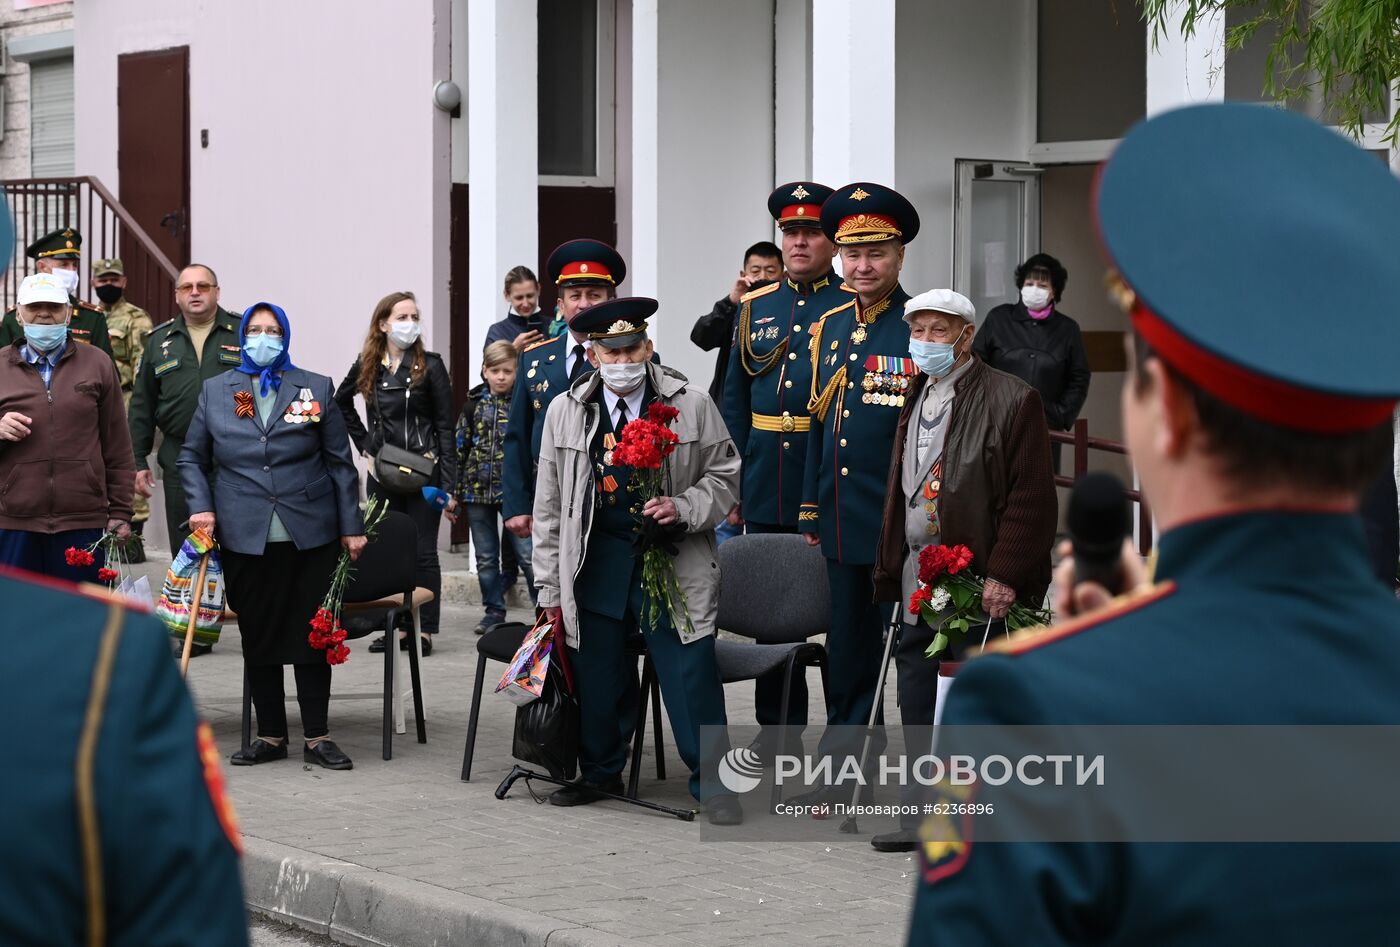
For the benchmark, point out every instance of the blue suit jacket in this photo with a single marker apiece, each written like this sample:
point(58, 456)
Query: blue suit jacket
point(243, 470)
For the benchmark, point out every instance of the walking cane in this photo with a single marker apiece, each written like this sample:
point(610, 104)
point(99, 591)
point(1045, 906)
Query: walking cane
point(849, 826)
point(197, 593)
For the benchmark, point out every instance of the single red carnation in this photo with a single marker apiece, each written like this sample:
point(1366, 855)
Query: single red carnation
point(337, 655)
point(662, 413)
point(107, 575)
point(959, 558)
point(920, 598)
point(78, 557)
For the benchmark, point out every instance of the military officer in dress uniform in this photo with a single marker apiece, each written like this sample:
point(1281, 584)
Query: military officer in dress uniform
point(199, 343)
point(587, 272)
point(128, 326)
point(861, 371)
point(116, 827)
point(1253, 428)
point(767, 385)
point(587, 519)
point(59, 253)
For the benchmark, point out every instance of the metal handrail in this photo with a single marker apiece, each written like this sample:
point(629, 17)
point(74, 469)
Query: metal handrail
point(1082, 443)
point(38, 206)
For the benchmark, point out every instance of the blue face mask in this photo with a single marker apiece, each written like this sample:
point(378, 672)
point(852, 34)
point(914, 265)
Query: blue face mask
point(45, 338)
point(262, 350)
point(934, 359)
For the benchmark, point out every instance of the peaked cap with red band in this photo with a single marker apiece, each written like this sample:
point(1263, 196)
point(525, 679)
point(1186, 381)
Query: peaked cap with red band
point(1258, 249)
point(585, 263)
point(867, 213)
point(798, 204)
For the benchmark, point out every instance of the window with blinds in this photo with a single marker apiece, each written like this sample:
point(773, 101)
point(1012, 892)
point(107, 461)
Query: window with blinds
point(51, 118)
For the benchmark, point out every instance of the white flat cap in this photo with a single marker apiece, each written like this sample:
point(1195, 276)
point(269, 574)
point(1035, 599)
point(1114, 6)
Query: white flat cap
point(40, 288)
point(941, 300)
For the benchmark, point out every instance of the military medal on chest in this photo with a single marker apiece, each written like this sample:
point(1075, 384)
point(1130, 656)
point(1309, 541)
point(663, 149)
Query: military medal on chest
point(887, 380)
point(303, 408)
point(533, 368)
point(931, 490)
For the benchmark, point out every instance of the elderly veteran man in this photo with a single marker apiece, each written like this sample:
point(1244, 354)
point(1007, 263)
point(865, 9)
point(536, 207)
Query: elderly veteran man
point(65, 455)
point(765, 402)
point(58, 254)
point(1250, 449)
point(586, 526)
point(971, 466)
point(861, 376)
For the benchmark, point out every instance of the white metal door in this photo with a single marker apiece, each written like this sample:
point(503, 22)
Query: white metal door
point(51, 118)
point(996, 225)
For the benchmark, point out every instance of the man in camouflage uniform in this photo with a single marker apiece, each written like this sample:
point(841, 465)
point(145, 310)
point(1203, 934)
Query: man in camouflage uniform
point(127, 328)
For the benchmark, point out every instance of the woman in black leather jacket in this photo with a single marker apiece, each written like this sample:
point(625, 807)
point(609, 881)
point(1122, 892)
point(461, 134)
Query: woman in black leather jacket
point(408, 400)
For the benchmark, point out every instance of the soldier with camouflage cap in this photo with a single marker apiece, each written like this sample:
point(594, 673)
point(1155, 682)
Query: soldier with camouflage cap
point(127, 328)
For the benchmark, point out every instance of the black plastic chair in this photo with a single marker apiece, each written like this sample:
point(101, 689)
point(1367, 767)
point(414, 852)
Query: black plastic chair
point(773, 590)
point(381, 589)
point(500, 642)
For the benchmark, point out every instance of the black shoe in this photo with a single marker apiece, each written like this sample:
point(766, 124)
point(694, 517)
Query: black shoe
point(427, 640)
point(582, 793)
point(259, 751)
point(903, 840)
point(489, 621)
point(326, 754)
point(829, 797)
point(377, 645)
point(199, 650)
point(762, 747)
point(725, 810)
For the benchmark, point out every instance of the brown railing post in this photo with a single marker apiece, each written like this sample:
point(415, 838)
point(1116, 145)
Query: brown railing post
point(1081, 447)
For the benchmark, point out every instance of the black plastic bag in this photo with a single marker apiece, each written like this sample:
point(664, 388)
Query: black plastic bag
point(546, 729)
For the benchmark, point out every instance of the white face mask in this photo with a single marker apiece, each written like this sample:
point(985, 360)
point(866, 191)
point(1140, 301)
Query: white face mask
point(623, 377)
point(68, 279)
point(405, 333)
point(1035, 297)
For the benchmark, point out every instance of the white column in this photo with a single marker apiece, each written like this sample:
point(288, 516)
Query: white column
point(1181, 69)
point(644, 267)
point(503, 152)
point(792, 92)
point(853, 91)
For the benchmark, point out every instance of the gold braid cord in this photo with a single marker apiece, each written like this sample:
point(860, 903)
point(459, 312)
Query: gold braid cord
point(755, 365)
point(89, 832)
point(820, 401)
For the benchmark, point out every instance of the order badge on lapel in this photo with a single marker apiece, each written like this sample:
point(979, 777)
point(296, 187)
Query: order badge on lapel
point(303, 408)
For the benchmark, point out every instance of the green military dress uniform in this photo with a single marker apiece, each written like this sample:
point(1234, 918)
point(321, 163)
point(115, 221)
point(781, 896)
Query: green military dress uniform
point(1262, 613)
point(88, 323)
point(165, 395)
point(766, 388)
point(860, 372)
point(115, 823)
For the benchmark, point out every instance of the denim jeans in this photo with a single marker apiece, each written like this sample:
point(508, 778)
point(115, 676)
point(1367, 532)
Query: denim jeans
point(485, 522)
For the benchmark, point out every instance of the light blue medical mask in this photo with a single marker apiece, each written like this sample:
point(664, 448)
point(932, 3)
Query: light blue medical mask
point(935, 359)
point(262, 349)
point(45, 338)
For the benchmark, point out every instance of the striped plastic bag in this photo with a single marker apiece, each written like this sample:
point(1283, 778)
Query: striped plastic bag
point(176, 596)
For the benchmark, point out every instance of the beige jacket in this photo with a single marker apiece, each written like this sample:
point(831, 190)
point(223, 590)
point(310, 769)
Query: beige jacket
point(702, 477)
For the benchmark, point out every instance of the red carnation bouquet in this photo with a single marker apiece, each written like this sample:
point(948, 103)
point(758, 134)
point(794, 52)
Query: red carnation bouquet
point(949, 597)
point(326, 634)
point(644, 446)
point(110, 547)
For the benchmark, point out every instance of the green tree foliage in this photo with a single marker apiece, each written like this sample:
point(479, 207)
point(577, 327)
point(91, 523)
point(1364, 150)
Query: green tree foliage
point(1345, 51)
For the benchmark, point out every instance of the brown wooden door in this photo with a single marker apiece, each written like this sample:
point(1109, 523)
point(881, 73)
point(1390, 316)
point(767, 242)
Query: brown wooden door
point(153, 154)
point(570, 213)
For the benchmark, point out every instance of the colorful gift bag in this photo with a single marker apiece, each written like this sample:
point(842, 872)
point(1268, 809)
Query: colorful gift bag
point(177, 595)
point(524, 678)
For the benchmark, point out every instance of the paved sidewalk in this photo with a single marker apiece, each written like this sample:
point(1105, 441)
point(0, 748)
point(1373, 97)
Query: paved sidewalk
point(404, 853)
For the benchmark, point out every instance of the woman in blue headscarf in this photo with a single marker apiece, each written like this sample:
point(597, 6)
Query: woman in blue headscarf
point(267, 464)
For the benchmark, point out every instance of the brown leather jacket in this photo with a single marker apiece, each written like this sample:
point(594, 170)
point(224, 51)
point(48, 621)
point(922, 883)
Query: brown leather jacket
point(998, 496)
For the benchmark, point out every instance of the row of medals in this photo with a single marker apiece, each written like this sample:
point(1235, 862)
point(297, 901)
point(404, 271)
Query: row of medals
point(887, 388)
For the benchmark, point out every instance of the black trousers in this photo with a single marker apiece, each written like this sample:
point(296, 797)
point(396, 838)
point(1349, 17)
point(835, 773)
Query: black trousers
point(177, 510)
point(918, 698)
point(269, 699)
point(427, 571)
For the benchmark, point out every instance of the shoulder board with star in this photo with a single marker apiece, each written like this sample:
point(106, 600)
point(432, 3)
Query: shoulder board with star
point(90, 307)
point(772, 287)
point(848, 288)
point(1029, 639)
point(543, 342)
